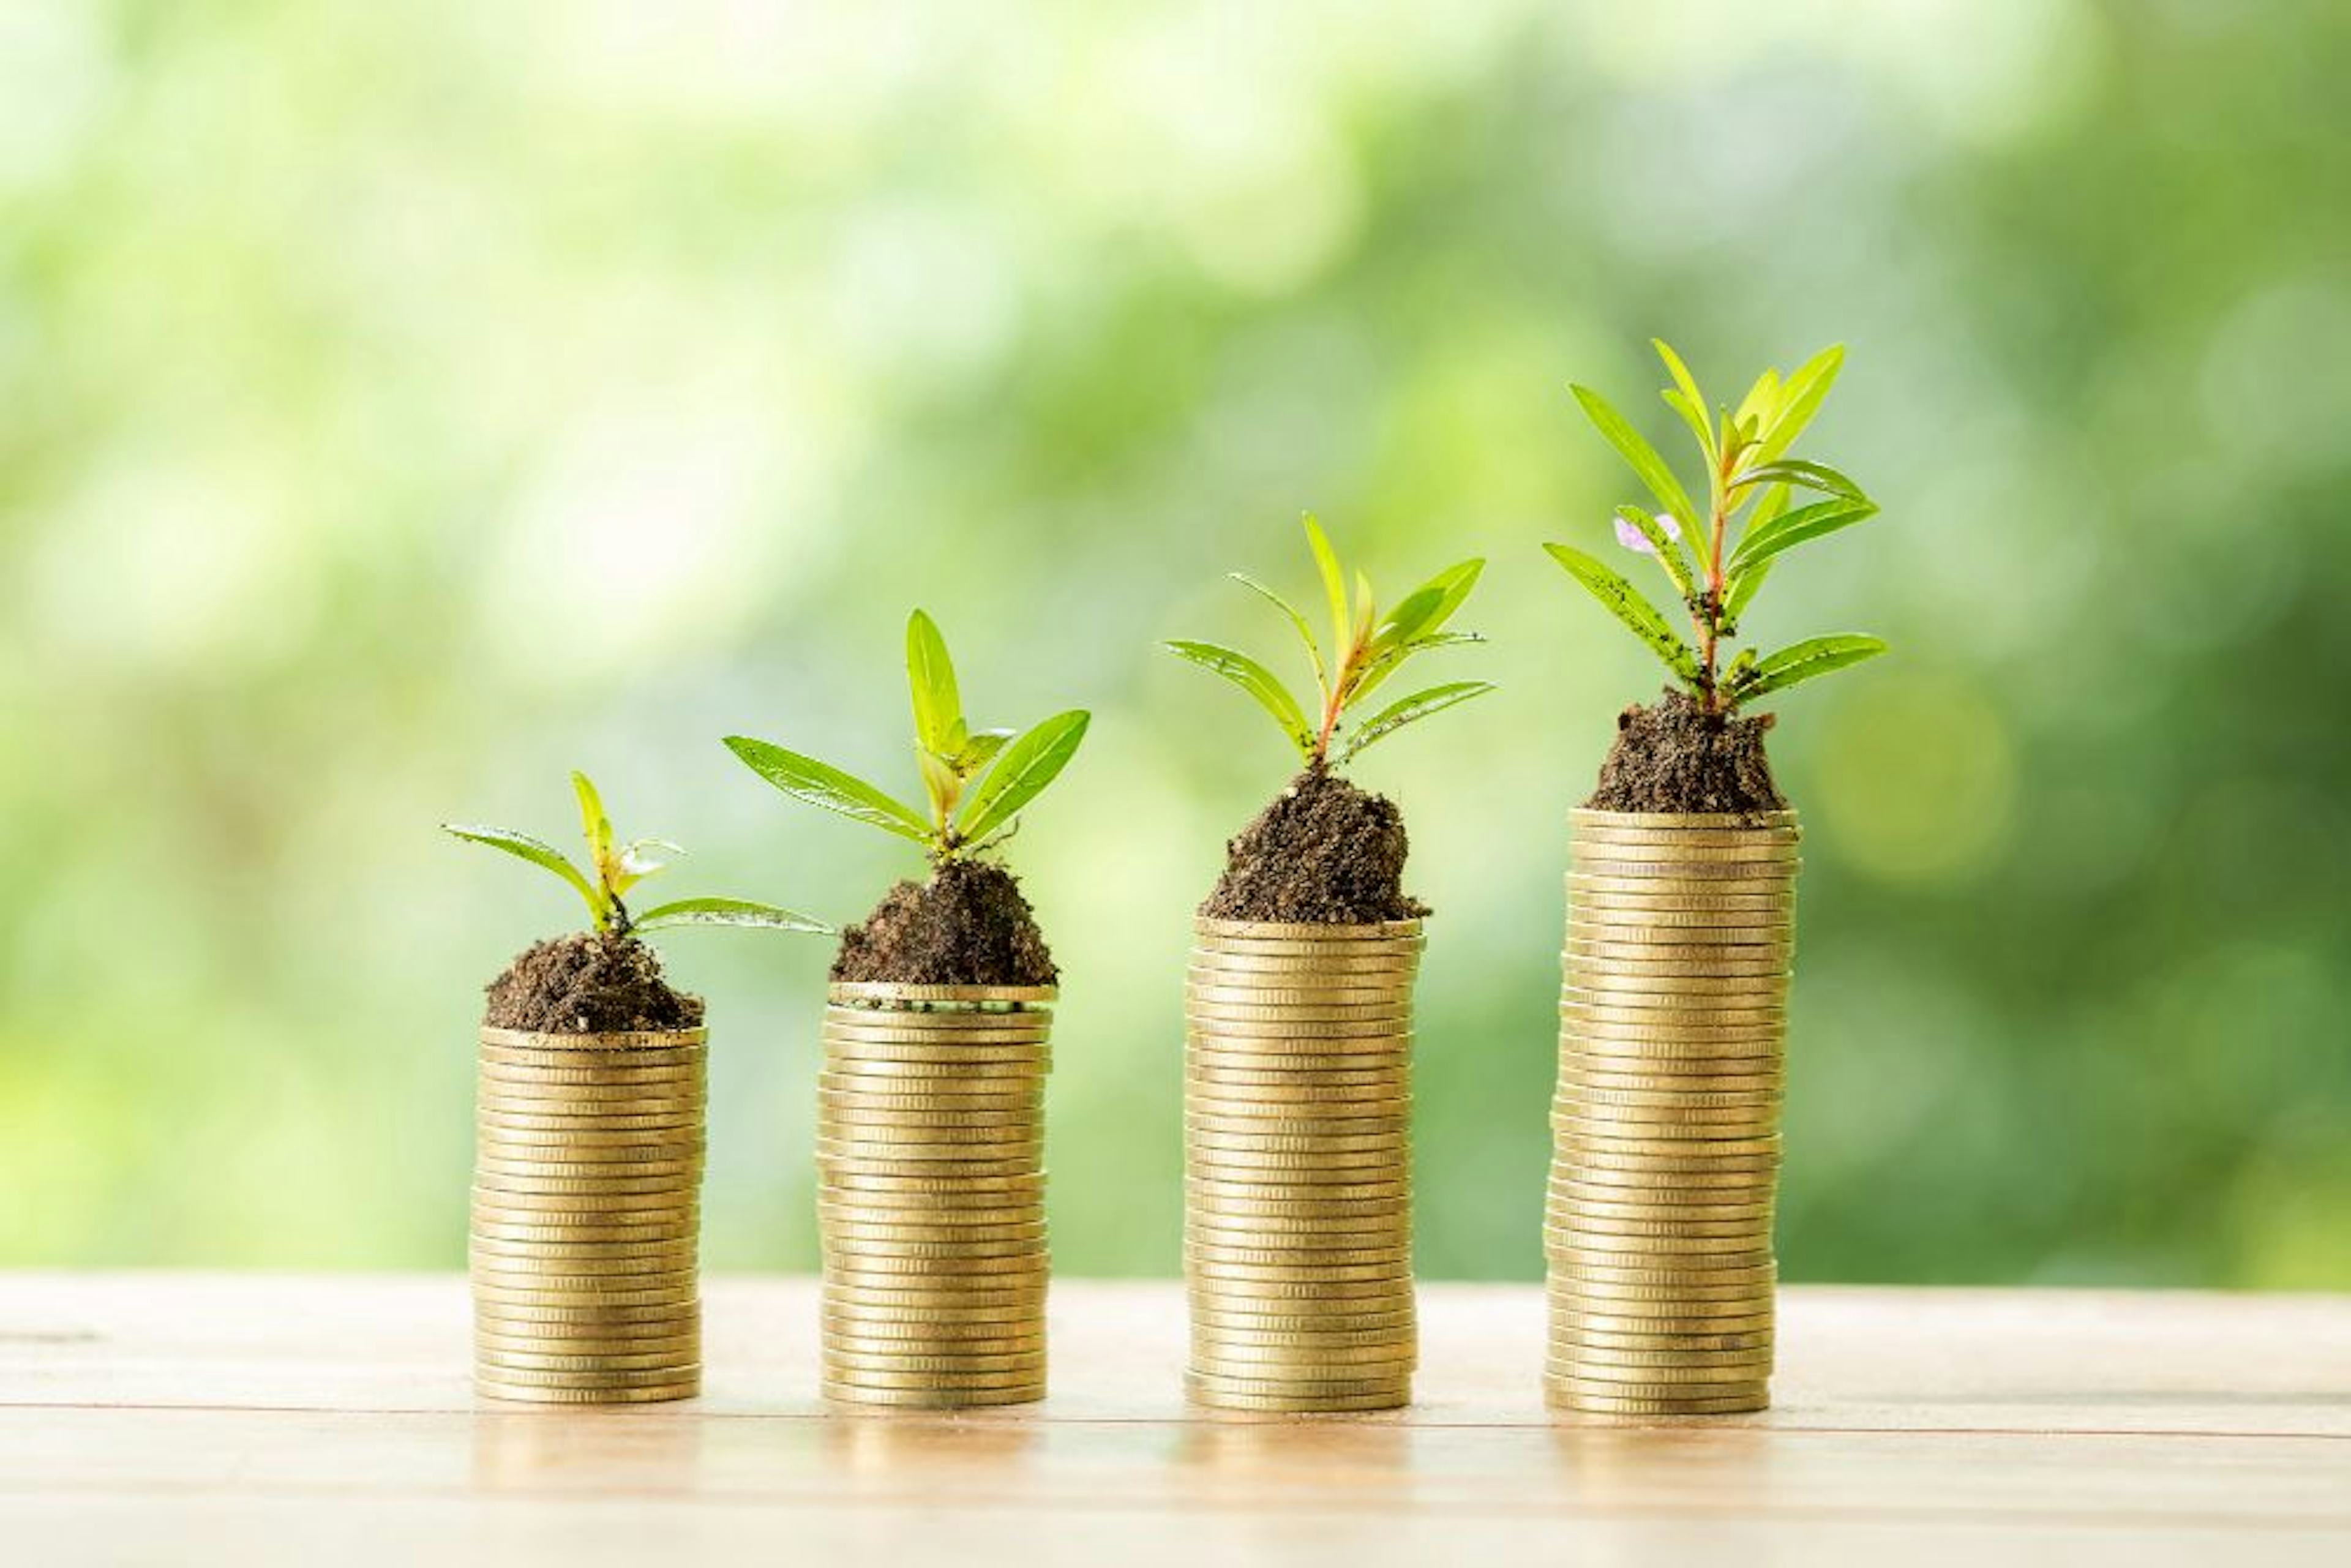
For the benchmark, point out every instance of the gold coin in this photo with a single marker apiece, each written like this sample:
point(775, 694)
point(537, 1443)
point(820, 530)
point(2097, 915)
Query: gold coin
point(859, 1095)
point(1568, 1328)
point(1198, 1381)
point(1580, 1401)
point(871, 1270)
point(1207, 1012)
point(1571, 1217)
point(1311, 1100)
point(552, 1269)
point(1622, 927)
point(1767, 847)
point(671, 1361)
point(1319, 1404)
point(1296, 1135)
point(1221, 1291)
point(604, 1066)
point(1578, 1109)
point(1320, 1123)
point(1615, 1137)
point(1334, 1001)
point(1219, 1065)
point(1707, 1379)
point(1386, 1182)
point(666, 1290)
point(1620, 1076)
point(597, 1119)
point(1291, 1217)
point(930, 1129)
point(934, 1398)
point(1729, 879)
point(960, 1033)
point(852, 1349)
point(496, 1145)
point(964, 1212)
point(967, 1186)
point(1645, 1364)
point(1711, 1096)
point(555, 1350)
point(1280, 1171)
point(839, 1356)
point(1276, 1262)
point(936, 1023)
point(492, 1225)
point(1749, 909)
point(513, 1321)
point(892, 992)
point(1601, 980)
point(862, 1249)
point(1381, 967)
point(1574, 1288)
point(865, 1152)
point(596, 1100)
point(1274, 1082)
point(1650, 1012)
point(489, 1388)
point(1022, 1302)
point(584, 1194)
point(943, 1319)
point(1574, 1241)
point(603, 1373)
point(1288, 1029)
point(1601, 819)
point(1659, 1317)
point(919, 1077)
point(1296, 1237)
point(863, 1377)
point(1310, 932)
point(1307, 1326)
point(1222, 1359)
point(840, 1053)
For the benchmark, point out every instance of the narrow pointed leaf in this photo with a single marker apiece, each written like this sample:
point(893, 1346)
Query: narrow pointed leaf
point(1817, 476)
point(727, 911)
point(1637, 452)
point(1259, 682)
point(978, 748)
point(1762, 404)
point(1806, 390)
point(1428, 608)
point(1410, 709)
point(522, 846)
point(1334, 586)
point(1663, 545)
point(1685, 398)
point(1029, 762)
point(1790, 529)
point(1626, 602)
point(819, 784)
point(1388, 660)
point(594, 825)
point(931, 680)
point(1742, 590)
point(1801, 661)
point(1297, 620)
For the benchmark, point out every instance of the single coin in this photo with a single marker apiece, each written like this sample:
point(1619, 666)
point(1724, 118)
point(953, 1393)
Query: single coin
point(1214, 1260)
point(934, 1398)
point(965, 1212)
point(1743, 1048)
point(852, 1155)
point(854, 1348)
point(1579, 1401)
point(1289, 1030)
point(923, 1077)
point(1574, 1290)
point(1312, 1001)
point(1754, 1118)
point(677, 1180)
point(887, 1225)
point(862, 1248)
point(1611, 1138)
point(943, 1030)
point(1706, 1380)
point(1305, 1327)
point(1251, 1135)
point(496, 1228)
point(576, 1103)
point(556, 1271)
point(1566, 1329)
point(1206, 1013)
point(598, 1120)
point(1228, 1209)
point(1751, 1199)
point(570, 1195)
point(1709, 1097)
point(1666, 1366)
point(1749, 909)
point(952, 1280)
point(671, 1361)
point(862, 1377)
point(941, 1320)
point(1745, 880)
point(1572, 1239)
point(597, 1066)
point(1290, 1173)
point(556, 1352)
point(1685, 844)
point(859, 1095)
point(514, 1320)
point(930, 1129)
point(1595, 980)
point(1633, 1209)
point(1274, 1082)
point(1673, 1078)
point(1394, 1399)
point(1578, 1219)
point(1199, 1381)
point(509, 1393)
point(589, 1291)
point(1218, 1064)
point(1641, 1317)
point(1211, 1289)
point(564, 1149)
point(604, 1376)
point(966, 1186)
point(1392, 969)
point(854, 1258)
point(1620, 926)
point(846, 1358)
point(892, 992)
point(1650, 1012)
point(839, 1052)
point(1385, 1091)
point(1315, 1237)
point(590, 1085)
point(1320, 1122)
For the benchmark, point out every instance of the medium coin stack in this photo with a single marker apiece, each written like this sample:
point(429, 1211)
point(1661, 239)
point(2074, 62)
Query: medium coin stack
point(1672, 1023)
point(931, 1194)
point(1298, 1181)
point(587, 1202)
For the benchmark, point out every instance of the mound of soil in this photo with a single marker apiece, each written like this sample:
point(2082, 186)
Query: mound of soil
point(588, 984)
point(1672, 755)
point(968, 926)
point(1325, 853)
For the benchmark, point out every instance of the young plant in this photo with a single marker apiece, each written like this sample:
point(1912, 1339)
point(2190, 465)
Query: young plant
point(615, 868)
point(1366, 649)
point(1715, 559)
point(976, 782)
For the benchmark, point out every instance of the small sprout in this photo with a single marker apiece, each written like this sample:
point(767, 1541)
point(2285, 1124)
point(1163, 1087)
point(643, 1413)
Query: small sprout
point(975, 782)
point(1366, 649)
point(1715, 561)
point(615, 868)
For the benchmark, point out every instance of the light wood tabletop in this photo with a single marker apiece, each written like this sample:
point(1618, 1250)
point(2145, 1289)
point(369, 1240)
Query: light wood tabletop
point(169, 1418)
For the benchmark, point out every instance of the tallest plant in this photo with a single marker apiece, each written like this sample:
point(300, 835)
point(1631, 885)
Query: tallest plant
point(1681, 925)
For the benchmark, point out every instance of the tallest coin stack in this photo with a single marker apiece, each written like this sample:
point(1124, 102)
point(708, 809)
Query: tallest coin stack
point(1673, 1024)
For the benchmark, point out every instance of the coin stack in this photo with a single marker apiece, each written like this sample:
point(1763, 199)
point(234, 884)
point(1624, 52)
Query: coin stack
point(587, 1200)
point(1673, 1021)
point(931, 1194)
point(1298, 1184)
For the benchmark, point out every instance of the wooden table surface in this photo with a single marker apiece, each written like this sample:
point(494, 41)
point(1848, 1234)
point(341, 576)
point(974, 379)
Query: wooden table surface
point(169, 1418)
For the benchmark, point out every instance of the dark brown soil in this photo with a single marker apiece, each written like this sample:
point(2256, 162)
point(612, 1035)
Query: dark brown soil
point(1324, 854)
point(968, 926)
point(1672, 755)
point(587, 984)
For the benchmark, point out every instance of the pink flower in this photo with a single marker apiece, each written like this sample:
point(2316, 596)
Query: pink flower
point(1632, 538)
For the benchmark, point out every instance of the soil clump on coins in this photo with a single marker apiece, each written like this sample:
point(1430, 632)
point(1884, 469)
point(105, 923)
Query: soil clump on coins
point(1324, 852)
point(1674, 755)
point(587, 983)
point(970, 925)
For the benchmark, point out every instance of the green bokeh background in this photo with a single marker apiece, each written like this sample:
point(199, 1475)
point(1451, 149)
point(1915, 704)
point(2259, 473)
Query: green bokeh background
point(400, 405)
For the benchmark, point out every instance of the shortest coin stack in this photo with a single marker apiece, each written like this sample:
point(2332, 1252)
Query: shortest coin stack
point(1667, 1124)
point(1298, 1201)
point(587, 1183)
point(931, 1194)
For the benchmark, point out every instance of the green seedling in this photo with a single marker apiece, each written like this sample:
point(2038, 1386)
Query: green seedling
point(1366, 648)
point(976, 782)
point(1717, 558)
point(615, 868)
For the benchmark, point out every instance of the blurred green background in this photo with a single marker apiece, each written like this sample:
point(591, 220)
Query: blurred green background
point(400, 405)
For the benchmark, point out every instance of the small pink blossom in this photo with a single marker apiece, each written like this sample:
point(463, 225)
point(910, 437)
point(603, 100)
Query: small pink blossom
point(1632, 538)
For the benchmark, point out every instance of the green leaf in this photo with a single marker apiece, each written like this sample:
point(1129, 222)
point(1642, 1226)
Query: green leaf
point(1802, 398)
point(1685, 398)
point(1334, 586)
point(1817, 476)
point(1428, 608)
point(1740, 590)
point(1259, 682)
point(594, 825)
point(1762, 404)
point(942, 785)
point(1297, 620)
point(1668, 549)
point(1643, 457)
point(1802, 660)
point(978, 747)
point(727, 911)
point(1407, 710)
point(1381, 665)
point(806, 779)
point(1029, 762)
point(522, 846)
point(931, 678)
point(634, 864)
point(1790, 529)
point(1624, 602)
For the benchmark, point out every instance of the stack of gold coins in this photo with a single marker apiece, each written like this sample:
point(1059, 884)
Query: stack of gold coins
point(1672, 1025)
point(587, 1200)
point(931, 1194)
point(1298, 1195)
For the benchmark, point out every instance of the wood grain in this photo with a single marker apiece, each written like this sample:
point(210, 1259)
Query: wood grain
point(175, 1418)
